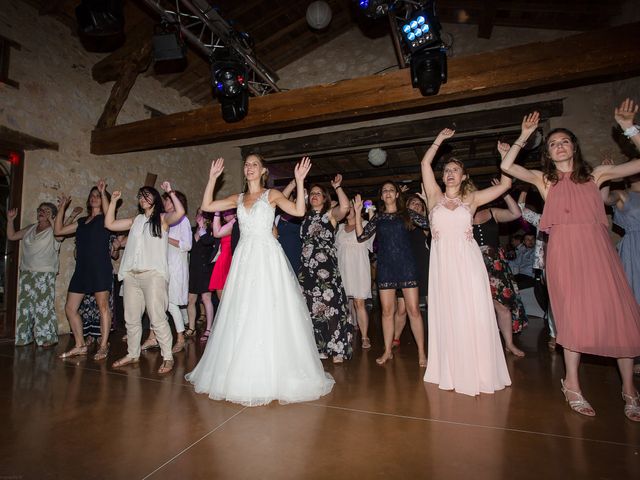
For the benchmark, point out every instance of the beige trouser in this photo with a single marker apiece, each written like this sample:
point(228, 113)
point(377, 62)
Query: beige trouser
point(146, 290)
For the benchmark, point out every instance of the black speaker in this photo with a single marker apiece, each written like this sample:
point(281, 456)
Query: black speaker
point(169, 52)
point(101, 24)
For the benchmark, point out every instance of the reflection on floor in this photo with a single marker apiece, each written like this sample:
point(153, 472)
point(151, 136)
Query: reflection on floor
point(80, 420)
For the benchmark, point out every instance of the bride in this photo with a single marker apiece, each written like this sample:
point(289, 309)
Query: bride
point(262, 347)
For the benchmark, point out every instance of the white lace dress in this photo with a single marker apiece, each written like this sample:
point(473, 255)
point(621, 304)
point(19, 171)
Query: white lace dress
point(262, 346)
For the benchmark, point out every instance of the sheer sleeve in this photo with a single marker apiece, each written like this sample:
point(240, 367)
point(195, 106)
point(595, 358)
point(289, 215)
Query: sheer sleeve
point(368, 230)
point(529, 215)
point(418, 220)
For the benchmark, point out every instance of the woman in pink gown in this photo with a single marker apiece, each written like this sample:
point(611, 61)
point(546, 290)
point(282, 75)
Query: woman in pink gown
point(465, 352)
point(593, 305)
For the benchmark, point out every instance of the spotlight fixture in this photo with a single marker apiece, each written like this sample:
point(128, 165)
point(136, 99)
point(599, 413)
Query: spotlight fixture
point(169, 49)
point(100, 24)
point(230, 86)
point(374, 8)
point(428, 60)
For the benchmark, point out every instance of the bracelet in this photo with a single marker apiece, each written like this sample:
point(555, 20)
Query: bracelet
point(339, 186)
point(434, 144)
point(631, 131)
point(521, 145)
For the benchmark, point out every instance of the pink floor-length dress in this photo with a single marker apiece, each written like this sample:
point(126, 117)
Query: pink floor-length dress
point(593, 305)
point(465, 352)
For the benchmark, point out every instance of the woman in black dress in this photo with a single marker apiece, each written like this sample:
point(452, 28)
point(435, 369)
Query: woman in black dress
point(420, 246)
point(396, 263)
point(200, 268)
point(319, 275)
point(93, 272)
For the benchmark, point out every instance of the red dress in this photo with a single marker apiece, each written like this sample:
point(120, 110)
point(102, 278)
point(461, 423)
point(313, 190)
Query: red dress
point(222, 266)
point(593, 305)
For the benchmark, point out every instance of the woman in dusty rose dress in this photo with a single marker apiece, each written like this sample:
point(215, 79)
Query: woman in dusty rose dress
point(593, 305)
point(465, 352)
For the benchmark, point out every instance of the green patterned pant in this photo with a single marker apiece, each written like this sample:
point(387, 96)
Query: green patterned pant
point(36, 312)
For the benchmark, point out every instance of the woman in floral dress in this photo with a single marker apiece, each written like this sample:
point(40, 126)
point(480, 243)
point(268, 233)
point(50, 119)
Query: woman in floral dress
point(319, 275)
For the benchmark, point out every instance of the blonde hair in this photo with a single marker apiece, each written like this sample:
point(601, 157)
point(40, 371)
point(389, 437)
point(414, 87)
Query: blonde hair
point(263, 178)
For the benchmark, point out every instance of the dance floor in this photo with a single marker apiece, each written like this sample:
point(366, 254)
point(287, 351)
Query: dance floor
point(82, 420)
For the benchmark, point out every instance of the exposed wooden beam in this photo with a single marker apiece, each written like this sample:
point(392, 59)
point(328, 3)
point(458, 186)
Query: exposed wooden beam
point(578, 59)
point(491, 119)
point(21, 141)
point(138, 41)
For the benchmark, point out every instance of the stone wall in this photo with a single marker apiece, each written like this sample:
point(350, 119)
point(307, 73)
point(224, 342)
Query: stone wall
point(58, 101)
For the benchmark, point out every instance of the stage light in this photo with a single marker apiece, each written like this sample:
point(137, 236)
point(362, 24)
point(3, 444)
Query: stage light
point(374, 8)
point(100, 24)
point(169, 49)
point(230, 86)
point(429, 70)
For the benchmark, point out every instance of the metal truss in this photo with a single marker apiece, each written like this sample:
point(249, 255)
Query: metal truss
point(203, 27)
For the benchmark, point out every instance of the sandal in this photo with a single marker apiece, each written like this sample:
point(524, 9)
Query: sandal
point(166, 367)
point(205, 335)
point(190, 332)
point(124, 361)
point(632, 407)
point(366, 343)
point(338, 359)
point(384, 358)
point(102, 353)
point(395, 343)
point(75, 352)
point(148, 345)
point(580, 404)
point(178, 347)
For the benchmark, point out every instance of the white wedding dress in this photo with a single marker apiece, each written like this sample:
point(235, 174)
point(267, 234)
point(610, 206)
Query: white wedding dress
point(262, 346)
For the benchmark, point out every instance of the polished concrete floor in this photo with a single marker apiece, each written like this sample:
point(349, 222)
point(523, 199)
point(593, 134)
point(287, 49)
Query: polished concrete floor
point(82, 420)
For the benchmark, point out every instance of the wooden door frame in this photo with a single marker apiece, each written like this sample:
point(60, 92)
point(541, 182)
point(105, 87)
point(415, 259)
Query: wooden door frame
point(13, 248)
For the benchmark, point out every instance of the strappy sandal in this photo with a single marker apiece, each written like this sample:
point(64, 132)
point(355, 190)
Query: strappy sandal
point(166, 367)
point(190, 332)
point(580, 404)
point(632, 407)
point(205, 335)
point(149, 345)
point(102, 353)
point(384, 358)
point(124, 361)
point(75, 352)
point(178, 347)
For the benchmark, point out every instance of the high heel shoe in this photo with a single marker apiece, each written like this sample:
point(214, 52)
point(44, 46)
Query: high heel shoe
point(632, 407)
point(102, 353)
point(384, 358)
point(580, 404)
point(74, 352)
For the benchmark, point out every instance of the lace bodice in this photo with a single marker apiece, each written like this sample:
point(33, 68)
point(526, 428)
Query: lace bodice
point(451, 219)
point(258, 220)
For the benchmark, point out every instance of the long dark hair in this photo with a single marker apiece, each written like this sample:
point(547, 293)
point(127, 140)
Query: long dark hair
point(157, 209)
point(263, 178)
point(326, 206)
point(401, 205)
point(581, 170)
point(95, 189)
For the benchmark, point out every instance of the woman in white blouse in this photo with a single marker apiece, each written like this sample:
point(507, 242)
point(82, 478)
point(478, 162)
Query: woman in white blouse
point(144, 269)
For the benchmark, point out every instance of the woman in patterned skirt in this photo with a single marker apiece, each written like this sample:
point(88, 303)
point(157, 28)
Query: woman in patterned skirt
point(319, 275)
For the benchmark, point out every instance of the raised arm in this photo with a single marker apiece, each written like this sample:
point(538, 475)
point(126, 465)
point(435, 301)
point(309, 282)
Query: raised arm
point(512, 212)
point(173, 217)
point(362, 233)
point(288, 190)
point(624, 115)
point(341, 210)
point(59, 229)
point(102, 188)
point(429, 182)
point(529, 125)
point(110, 221)
point(219, 230)
point(489, 194)
point(11, 232)
point(298, 208)
point(604, 173)
point(208, 203)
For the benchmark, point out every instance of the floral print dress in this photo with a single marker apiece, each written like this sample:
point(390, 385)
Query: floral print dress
point(322, 287)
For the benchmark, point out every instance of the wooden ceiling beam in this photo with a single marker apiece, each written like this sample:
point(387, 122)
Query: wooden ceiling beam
point(541, 66)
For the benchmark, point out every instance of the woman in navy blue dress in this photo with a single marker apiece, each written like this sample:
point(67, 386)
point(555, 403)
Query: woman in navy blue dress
point(396, 263)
